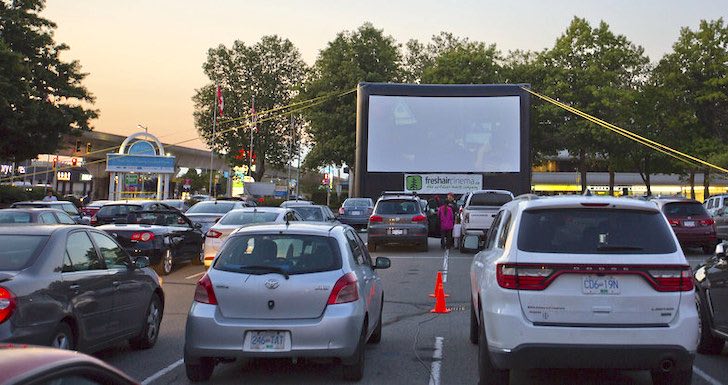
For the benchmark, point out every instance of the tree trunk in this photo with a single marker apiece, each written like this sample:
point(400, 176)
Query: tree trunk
point(582, 169)
point(611, 180)
point(692, 184)
point(648, 183)
point(706, 184)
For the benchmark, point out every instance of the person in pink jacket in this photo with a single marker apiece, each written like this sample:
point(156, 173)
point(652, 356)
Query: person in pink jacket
point(447, 222)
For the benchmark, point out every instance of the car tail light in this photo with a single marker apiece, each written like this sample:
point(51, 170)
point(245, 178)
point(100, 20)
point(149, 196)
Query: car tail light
point(419, 218)
point(707, 222)
point(94, 220)
point(341, 211)
point(530, 276)
point(376, 219)
point(7, 304)
point(214, 234)
point(674, 222)
point(144, 236)
point(595, 204)
point(345, 290)
point(204, 292)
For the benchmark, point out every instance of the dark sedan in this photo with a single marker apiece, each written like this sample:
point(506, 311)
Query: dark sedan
point(118, 212)
point(9, 217)
point(74, 287)
point(711, 291)
point(167, 238)
point(355, 212)
point(68, 207)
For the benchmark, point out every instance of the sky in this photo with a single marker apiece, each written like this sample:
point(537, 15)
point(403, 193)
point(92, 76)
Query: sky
point(144, 57)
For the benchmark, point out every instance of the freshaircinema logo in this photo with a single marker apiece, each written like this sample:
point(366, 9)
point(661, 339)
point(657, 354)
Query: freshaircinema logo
point(442, 183)
point(413, 182)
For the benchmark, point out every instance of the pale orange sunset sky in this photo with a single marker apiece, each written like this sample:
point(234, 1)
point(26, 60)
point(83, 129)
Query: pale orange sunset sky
point(144, 57)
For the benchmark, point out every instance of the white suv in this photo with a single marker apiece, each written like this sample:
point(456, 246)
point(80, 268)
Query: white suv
point(582, 282)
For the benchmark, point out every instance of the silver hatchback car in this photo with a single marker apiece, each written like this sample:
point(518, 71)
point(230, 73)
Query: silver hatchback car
point(277, 290)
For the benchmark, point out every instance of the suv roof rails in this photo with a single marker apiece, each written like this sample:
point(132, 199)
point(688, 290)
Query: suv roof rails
point(527, 197)
point(412, 193)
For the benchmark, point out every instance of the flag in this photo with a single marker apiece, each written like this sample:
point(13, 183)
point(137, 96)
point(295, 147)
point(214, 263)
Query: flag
point(220, 102)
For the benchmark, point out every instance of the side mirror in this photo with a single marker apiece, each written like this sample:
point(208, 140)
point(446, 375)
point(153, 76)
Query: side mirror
point(197, 225)
point(382, 263)
point(472, 243)
point(720, 251)
point(141, 262)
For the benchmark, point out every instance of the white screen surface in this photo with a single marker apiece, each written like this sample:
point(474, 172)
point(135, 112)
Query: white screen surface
point(444, 134)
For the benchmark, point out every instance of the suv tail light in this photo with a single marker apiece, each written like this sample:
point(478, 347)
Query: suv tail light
point(419, 218)
point(144, 236)
point(341, 211)
point(7, 304)
point(345, 290)
point(214, 234)
point(376, 219)
point(531, 276)
point(204, 292)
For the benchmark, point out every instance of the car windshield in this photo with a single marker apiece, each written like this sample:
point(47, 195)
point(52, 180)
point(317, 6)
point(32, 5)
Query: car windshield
point(684, 209)
point(490, 199)
point(309, 213)
point(18, 250)
point(594, 231)
point(357, 203)
point(245, 217)
point(286, 254)
point(397, 207)
point(9, 217)
point(211, 208)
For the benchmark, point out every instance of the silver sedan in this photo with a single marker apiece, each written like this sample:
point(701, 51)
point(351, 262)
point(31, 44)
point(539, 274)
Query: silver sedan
point(277, 290)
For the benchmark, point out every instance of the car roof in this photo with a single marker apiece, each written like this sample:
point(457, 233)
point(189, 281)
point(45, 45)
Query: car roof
point(312, 228)
point(491, 192)
point(261, 210)
point(663, 201)
point(577, 201)
point(30, 209)
point(38, 229)
point(42, 202)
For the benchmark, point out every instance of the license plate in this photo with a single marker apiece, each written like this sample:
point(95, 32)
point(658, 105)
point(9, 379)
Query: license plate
point(267, 341)
point(356, 213)
point(397, 231)
point(689, 223)
point(593, 284)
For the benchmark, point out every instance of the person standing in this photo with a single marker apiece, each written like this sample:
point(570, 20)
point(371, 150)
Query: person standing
point(447, 221)
point(49, 197)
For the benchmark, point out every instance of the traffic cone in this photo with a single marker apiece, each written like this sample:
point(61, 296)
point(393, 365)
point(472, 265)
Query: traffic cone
point(438, 286)
point(440, 306)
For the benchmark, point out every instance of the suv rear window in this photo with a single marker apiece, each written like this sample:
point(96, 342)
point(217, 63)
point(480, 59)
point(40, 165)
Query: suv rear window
point(595, 231)
point(289, 253)
point(490, 199)
point(357, 202)
point(684, 209)
point(18, 250)
point(397, 207)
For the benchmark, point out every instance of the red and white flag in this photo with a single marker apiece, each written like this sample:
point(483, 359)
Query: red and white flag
point(220, 102)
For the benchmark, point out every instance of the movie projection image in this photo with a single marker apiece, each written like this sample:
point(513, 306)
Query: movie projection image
point(444, 134)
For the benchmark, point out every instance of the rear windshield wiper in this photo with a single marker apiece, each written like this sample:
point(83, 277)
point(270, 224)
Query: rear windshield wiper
point(257, 270)
point(619, 248)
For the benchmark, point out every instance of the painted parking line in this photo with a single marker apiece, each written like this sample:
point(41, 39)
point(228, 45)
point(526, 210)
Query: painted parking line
point(706, 376)
point(162, 372)
point(444, 265)
point(436, 361)
point(194, 275)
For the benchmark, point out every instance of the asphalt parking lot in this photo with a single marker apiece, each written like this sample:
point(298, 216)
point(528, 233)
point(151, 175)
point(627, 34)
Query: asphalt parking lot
point(417, 347)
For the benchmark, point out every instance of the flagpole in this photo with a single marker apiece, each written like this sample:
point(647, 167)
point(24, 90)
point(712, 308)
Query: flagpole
point(250, 157)
point(212, 147)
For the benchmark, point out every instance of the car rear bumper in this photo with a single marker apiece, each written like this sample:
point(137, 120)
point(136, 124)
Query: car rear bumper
point(533, 356)
point(353, 220)
point(38, 334)
point(334, 334)
point(697, 238)
point(384, 234)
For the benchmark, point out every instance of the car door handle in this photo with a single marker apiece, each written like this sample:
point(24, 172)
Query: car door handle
point(74, 287)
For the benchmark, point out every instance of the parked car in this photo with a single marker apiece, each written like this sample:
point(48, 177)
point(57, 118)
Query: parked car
point(206, 213)
point(355, 212)
point(691, 223)
point(179, 204)
point(32, 215)
point(397, 219)
point(298, 290)
point(68, 207)
point(314, 213)
point(35, 365)
point(92, 208)
point(711, 287)
point(582, 282)
point(167, 238)
point(74, 287)
point(715, 203)
point(234, 219)
point(119, 212)
point(479, 210)
point(295, 202)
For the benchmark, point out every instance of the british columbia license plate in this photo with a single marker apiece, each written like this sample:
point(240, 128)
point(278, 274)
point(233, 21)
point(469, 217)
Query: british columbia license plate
point(356, 213)
point(267, 340)
point(594, 284)
point(397, 231)
point(689, 223)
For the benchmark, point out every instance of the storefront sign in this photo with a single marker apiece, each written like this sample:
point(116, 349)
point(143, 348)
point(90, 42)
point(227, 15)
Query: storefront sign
point(63, 176)
point(86, 177)
point(140, 163)
point(442, 183)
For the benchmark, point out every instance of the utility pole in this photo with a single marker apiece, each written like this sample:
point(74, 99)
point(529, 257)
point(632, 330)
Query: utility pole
point(290, 160)
point(298, 169)
point(253, 128)
point(212, 144)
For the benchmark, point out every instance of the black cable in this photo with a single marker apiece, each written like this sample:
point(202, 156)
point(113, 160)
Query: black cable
point(417, 338)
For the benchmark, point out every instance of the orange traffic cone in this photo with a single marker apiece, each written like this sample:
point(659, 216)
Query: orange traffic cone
point(438, 286)
point(440, 306)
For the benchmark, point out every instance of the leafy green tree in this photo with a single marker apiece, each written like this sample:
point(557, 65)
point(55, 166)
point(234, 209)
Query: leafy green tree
point(467, 62)
point(419, 56)
point(365, 54)
point(41, 96)
point(270, 70)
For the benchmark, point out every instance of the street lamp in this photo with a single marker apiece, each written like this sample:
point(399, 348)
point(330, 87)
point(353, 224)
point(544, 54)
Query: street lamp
point(145, 128)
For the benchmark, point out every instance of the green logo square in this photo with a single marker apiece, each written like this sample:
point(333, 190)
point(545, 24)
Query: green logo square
point(413, 182)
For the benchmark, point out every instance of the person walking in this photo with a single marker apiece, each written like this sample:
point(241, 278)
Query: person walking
point(447, 222)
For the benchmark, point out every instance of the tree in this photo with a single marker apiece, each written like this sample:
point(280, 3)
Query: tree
point(364, 55)
point(465, 62)
point(270, 70)
point(419, 56)
point(41, 96)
